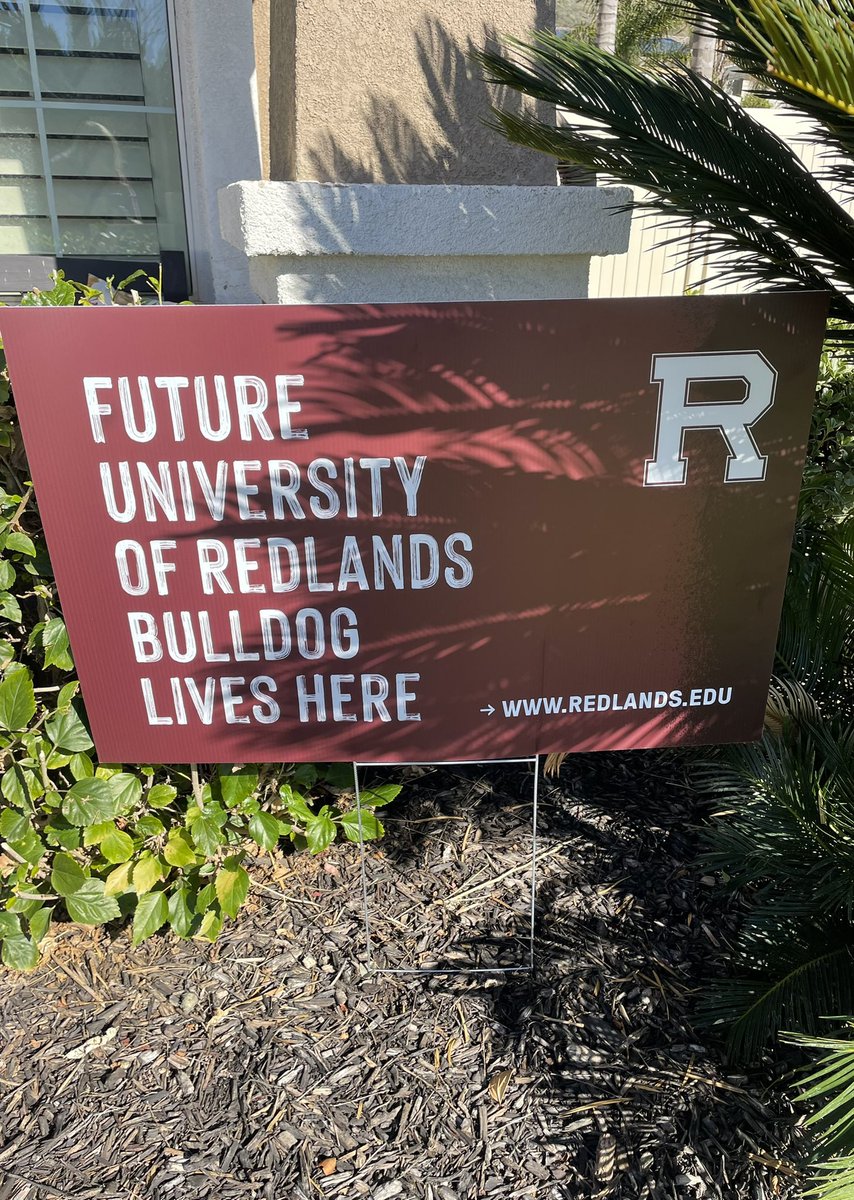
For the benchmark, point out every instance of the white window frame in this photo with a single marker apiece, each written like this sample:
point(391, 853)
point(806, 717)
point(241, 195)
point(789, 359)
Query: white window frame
point(38, 106)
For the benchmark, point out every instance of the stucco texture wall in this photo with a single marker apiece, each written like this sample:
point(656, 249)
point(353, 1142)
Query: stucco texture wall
point(382, 91)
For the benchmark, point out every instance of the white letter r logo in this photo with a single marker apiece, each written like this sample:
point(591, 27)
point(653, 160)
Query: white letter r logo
point(674, 373)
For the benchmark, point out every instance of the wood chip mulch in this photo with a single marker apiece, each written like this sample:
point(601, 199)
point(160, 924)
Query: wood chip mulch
point(274, 1065)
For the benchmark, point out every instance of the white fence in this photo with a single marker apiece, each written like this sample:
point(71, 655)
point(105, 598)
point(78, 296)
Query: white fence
point(651, 269)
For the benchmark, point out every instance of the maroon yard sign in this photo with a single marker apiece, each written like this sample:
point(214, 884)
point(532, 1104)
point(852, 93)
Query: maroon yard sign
point(405, 532)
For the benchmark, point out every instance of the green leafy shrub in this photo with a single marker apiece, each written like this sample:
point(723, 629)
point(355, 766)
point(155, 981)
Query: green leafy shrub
point(755, 100)
point(95, 842)
point(827, 496)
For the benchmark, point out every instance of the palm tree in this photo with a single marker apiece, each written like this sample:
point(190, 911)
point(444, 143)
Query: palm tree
point(698, 152)
point(606, 25)
point(704, 46)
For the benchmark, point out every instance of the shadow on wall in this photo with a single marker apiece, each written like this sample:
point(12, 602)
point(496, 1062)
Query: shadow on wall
point(460, 150)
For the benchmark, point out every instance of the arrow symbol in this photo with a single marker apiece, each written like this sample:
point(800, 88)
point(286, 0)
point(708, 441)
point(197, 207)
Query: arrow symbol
point(489, 711)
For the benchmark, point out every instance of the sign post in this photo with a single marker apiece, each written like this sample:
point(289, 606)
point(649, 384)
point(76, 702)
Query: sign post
point(415, 532)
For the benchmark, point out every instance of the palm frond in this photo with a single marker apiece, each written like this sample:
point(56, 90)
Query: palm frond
point(830, 1085)
point(640, 25)
point(810, 46)
point(789, 975)
point(832, 1180)
point(802, 53)
point(815, 644)
point(680, 137)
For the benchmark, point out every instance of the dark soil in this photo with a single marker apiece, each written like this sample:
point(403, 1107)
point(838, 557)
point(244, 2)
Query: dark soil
point(273, 1064)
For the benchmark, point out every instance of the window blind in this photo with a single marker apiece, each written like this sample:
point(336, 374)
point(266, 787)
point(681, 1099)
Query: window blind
point(89, 160)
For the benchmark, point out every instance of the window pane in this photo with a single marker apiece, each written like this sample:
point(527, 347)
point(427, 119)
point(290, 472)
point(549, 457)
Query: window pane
point(23, 197)
point(132, 160)
point(92, 122)
point(166, 170)
point(15, 79)
point(29, 235)
point(104, 79)
point(109, 239)
point(19, 155)
point(99, 157)
point(115, 173)
point(85, 29)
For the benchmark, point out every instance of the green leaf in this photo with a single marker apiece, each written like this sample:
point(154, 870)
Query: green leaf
point(211, 925)
point(304, 775)
point(149, 826)
point(10, 608)
point(371, 827)
point(10, 926)
point(39, 923)
point(90, 905)
point(60, 833)
point(20, 786)
point(89, 801)
point(7, 574)
point(161, 795)
point(7, 654)
point(20, 953)
point(378, 797)
point(338, 775)
point(13, 825)
point(81, 766)
point(152, 912)
point(296, 805)
point(67, 732)
point(29, 846)
point(232, 886)
point(237, 786)
point(263, 828)
point(93, 834)
point(55, 645)
point(17, 701)
point(207, 836)
point(66, 876)
point(204, 898)
point(178, 850)
point(126, 790)
point(119, 881)
point(181, 916)
point(320, 832)
point(67, 693)
point(147, 872)
point(20, 543)
point(117, 846)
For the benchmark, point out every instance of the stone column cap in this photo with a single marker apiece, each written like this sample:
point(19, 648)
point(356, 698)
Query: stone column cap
point(305, 219)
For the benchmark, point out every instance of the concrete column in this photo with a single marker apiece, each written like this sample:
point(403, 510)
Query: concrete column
point(383, 91)
point(216, 60)
point(374, 243)
point(392, 187)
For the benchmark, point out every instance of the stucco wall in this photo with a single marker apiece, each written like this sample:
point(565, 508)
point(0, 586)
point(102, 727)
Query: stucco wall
point(261, 37)
point(383, 91)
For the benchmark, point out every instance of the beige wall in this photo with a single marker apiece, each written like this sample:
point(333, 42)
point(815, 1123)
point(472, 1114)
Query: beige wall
point(261, 31)
point(382, 91)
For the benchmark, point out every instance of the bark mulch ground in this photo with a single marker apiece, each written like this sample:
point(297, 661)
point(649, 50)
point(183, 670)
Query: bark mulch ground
point(274, 1065)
